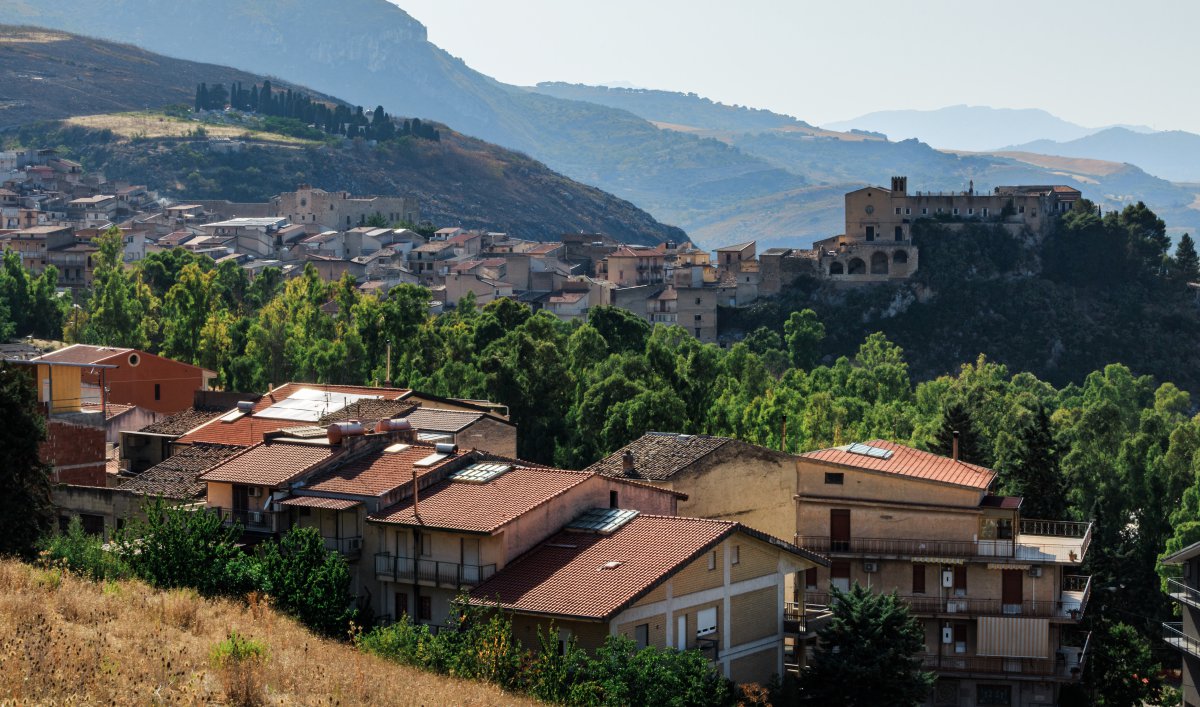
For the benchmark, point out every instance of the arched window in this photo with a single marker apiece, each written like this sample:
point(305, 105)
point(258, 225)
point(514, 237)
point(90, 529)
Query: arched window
point(901, 257)
point(857, 267)
point(879, 263)
point(899, 233)
point(836, 269)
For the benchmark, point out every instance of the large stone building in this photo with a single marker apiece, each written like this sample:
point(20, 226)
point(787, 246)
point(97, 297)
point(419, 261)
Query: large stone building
point(339, 210)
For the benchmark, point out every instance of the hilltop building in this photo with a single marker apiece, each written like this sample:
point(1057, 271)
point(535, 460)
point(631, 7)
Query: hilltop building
point(309, 206)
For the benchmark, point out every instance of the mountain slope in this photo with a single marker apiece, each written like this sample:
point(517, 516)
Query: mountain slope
point(1173, 154)
point(458, 181)
point(965, 127)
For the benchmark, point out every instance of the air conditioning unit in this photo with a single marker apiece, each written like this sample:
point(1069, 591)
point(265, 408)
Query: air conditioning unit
point(870, 566)
point(1035, 571)
point(947, 578)
point(256, 517)
point(254, 491)
point(355, 544)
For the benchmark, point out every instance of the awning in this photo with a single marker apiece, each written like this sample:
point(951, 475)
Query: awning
point(1004, 566)
point(333, 504)
point(938, 561)
point(1011, 637)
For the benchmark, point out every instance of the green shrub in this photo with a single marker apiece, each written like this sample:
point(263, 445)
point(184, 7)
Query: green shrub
point(83, 554)
point(240, 663)
point(552, 676)
point(307, 581)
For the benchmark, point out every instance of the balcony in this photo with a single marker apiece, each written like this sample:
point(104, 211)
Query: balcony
point(453, 575)
point(1028, 547)
point(1183, 594)
point(1067, 666)
point(253, 521)
point(1069, 608)
point(1175, 637)
point(806, 618)
point(350, 546)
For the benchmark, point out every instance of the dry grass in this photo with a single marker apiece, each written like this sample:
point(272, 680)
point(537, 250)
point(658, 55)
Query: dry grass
point(32, 37)
point(154, 125)
point(66, 640)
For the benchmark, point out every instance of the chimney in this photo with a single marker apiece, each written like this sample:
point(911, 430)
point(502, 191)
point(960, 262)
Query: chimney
point(627, 466)
point(954, 446)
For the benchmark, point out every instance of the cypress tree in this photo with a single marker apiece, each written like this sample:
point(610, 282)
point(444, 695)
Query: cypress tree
point(956, 418)
point(1187, 263)
point(253, 105)
point(1034, 474)
point(201, 97)
point(26, 512)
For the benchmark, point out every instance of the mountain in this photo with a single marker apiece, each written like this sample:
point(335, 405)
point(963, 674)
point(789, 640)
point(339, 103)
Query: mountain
point(976, 128)
point(1173, 154)
point(458, 180)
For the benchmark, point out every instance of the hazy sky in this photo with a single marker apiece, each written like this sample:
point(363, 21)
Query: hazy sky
point(1095, 63)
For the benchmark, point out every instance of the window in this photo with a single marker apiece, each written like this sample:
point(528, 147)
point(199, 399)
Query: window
point(993, 695)
point(712, 560)
point(401, 605)
point(425, 612)
point(706, 621)
point(697, 332)
point(907, 211)
point(985, 213)
point(835, 477)
point(426, 545)
point(918, 584)
point(1020, 209)
point(960, 580)
point(157, 391)
point(612, 499)
point(897, 210)
point(971, 211)
point(92, 524)
point(641, 635)
point(810, 578)
point(699, 317)
point(924, 211)
point(697, 300)
point(960, 637)
point(956, 212)
point(735, 556)
point(839, 574)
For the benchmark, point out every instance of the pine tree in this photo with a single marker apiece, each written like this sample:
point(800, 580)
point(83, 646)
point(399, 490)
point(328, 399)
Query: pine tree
point(26, 512)
point(1187, 263)
point(868, 654)
point(1034, 474)
point(956, 418)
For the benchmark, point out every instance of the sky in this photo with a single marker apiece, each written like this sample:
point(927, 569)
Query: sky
point(1095, 63)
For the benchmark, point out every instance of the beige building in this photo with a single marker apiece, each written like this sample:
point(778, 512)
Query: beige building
point(1184, 635)
point(1000, 596)
point(339, 210)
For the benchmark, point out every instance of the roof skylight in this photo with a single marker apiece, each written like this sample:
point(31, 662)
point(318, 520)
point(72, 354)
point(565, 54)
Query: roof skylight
point(480, 472)
point(602, 520)
point(867, 450)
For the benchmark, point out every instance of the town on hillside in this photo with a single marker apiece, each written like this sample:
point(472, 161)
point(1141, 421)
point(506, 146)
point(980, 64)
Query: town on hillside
point(51, 211)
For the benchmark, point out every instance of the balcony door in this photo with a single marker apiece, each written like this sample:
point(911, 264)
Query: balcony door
point(1011, 591)
point(470, 560)
point(241, 498)
point(839, 529)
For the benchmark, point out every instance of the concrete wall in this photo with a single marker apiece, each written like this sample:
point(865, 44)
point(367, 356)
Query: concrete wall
point(744, 483)
point(877, 486)
point(135, 384)
point(112, 504)
point(489, 435)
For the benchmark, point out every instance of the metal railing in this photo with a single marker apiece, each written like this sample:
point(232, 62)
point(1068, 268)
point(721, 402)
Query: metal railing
point(351, 545)
point(443, 574)
point(968, 606)
point(260, 521)
point(1032, 667)
point(809, 616)
point(1173, 634)
point(1055, 528)
point(1182, 592)
point(916, 547)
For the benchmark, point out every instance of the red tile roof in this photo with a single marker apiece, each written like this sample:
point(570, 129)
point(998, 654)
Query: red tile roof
point(333, 504)
point(906, 461)
point(376, 472)
point(566, 575)
point(249, 429)
point(486, 507)
point(435, 420)
point(270, 463)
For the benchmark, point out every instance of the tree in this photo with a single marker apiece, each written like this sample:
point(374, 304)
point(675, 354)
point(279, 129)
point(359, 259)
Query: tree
point(868, 653)
point(308, 581)
point(1123, 672)
point(1187, 262)
point(804, 333)
point(623, 330)
point(119, 309)
point(1033, 473)
point(26, 513)
point(956, 419)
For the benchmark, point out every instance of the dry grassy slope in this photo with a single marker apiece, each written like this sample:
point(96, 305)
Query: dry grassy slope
point(65, 640)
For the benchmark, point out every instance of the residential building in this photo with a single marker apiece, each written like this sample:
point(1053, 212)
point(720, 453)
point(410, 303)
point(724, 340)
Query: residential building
point(999, 596)
point(339, 210)
point(484, 289)
point(629, 267)
point(93, 210)
point(1184, 635)
point(133, 377)
point(662, 581)
point(256, 236)
point(468, 429)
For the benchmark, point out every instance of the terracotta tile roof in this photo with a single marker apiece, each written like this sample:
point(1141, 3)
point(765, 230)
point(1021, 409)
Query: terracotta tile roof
point(659, 455)
point(270, 463)
point(906, 461)
point(181, 422)
point(333, 504)
point(82, 353)
point(483, 508)
point(564, 576)
point(249, 429)
point(178, 475)
point(370, 410)
point(435, 420)
point(376, 472)
point(111, 411)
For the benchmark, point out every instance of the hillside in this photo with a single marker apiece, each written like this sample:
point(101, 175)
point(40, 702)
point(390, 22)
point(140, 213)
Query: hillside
point(965, 127)
point(1173, 154)
point(47, 75)
point(458, 180)
point(66, 640)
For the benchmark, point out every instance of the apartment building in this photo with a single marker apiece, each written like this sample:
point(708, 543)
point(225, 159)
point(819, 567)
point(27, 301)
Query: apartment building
point(1184, 635)
point(1000, 596)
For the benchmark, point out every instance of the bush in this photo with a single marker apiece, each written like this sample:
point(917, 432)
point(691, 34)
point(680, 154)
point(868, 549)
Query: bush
point(240, 662)
point(308, 581)
point(83, 554)
point(550, 675)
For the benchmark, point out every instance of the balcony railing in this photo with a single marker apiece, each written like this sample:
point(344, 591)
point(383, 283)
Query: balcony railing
point(442, 574)
point(1055, 528)
point(351, 545)
point(807, 617)
point(923, 604)
point(1174, 636)
point(1183, 593)
point(1023, 549)
point(1013, 667)
point(253, 520)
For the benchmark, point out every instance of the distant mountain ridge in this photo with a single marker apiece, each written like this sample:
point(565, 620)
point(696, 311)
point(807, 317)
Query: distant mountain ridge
point(1172, 154)
point(459, 181)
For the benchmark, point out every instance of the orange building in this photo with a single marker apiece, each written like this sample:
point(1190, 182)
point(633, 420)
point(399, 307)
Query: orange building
point(136, 377)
